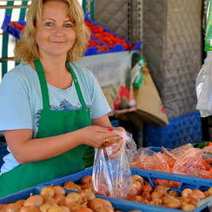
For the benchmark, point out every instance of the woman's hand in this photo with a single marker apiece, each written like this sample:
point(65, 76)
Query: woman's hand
point(97, 136)
point(116, 148)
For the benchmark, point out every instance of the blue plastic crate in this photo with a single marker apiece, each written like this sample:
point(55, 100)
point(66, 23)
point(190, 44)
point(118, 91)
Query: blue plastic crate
point(24, 194)
point(91, 51)
point(115, 123)
point(117, 204)
point(125, 205)
point(179, 131)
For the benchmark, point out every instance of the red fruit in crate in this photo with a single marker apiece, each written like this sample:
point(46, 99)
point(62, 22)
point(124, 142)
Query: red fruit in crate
point(92, 43)
point(102, 48)
point(17, 25)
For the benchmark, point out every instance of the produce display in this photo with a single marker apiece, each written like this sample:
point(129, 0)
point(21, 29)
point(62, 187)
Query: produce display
point(81, 198)
point(185, 159)
point(161, 195)
point(71, 197)
point(104, 41)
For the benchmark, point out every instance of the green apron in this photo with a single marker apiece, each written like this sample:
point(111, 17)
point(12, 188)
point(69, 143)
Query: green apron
point(52, 123)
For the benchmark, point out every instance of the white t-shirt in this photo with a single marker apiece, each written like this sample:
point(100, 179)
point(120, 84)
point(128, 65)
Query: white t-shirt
point(21, 101)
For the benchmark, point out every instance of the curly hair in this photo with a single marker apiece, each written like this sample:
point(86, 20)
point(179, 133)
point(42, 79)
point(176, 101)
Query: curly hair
point(26, 49)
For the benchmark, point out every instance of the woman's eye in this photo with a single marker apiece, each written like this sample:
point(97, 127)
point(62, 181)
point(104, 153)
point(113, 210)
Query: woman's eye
point(68, 25)
point(48, 24)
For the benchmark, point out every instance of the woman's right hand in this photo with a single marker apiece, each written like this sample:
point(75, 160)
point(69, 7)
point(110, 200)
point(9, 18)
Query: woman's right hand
point(97, 136)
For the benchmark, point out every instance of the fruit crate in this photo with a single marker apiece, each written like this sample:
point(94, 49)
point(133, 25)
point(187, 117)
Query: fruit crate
point(125, 205)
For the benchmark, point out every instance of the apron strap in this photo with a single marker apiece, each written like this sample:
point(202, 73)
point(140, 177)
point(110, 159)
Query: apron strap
point(44, 89)
point(79, 92)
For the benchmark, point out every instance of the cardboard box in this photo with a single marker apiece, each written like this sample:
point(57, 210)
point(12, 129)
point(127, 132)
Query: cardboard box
point(149, 106)
point(148, 102)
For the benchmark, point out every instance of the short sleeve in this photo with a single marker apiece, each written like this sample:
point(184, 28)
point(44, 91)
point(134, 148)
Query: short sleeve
point(99, 105)
point(15, 110)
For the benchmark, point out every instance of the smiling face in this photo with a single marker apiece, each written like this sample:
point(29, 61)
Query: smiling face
point(55, 34)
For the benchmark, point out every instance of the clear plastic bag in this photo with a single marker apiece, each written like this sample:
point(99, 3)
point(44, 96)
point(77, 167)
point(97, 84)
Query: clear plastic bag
point(169, 157)
point(130, 147)
point(193, 163)
point(180, 151)
point(150, 160)
point(207, 154)
point(111, 177)
point(204, 87)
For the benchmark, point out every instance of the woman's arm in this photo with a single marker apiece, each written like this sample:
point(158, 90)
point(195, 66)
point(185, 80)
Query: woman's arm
point(27, 149)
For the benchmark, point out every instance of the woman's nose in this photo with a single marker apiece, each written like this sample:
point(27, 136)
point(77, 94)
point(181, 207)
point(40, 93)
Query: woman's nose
point(59, 30)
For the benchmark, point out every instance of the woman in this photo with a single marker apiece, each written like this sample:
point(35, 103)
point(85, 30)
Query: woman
point(53, 113)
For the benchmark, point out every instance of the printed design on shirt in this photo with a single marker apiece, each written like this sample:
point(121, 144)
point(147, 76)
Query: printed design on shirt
point(36, 120)
point(63, 106)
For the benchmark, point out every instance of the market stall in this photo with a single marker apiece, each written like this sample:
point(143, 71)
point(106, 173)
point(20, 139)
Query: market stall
point(174, 171)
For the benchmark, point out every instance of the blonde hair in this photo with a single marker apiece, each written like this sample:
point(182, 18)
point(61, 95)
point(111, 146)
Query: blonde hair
point(26, 49)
